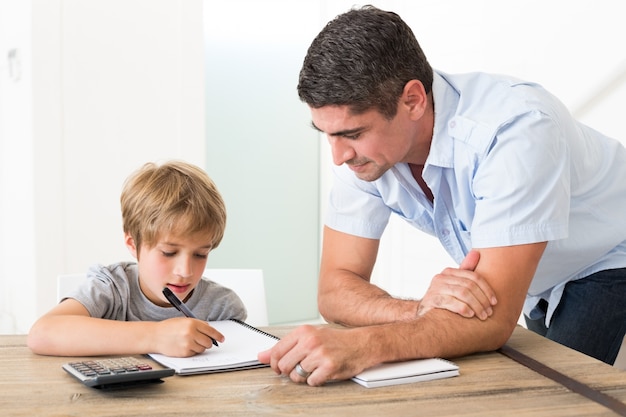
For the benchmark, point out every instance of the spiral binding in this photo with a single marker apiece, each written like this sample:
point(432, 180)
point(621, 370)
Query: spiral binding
point(243, 323)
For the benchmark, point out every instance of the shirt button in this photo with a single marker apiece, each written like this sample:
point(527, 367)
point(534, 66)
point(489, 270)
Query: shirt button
point(452, 124)
point(445, 232)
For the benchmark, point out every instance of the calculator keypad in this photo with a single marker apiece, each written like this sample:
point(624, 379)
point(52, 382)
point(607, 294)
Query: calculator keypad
point(99, 372)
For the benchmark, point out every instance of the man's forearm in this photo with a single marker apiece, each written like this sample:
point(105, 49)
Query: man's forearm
point(439, 333)
point(352, 301)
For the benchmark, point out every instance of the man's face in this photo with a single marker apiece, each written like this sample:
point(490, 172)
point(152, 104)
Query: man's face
point(368, 143)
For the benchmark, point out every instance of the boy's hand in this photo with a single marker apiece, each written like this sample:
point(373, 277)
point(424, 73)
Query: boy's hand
point(182, 337)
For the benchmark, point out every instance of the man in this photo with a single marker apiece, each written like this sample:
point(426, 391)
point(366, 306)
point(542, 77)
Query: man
point(495, 167)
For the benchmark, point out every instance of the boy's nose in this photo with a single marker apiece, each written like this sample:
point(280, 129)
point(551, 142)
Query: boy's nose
point(183, 268)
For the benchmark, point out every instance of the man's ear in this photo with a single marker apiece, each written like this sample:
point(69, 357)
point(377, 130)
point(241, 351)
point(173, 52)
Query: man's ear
point(414, 98)
point(130, 244)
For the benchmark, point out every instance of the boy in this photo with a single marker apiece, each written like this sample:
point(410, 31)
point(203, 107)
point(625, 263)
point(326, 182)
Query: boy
point(173, 216)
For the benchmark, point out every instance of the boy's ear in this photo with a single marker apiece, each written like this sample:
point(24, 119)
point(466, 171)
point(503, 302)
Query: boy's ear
point(130, 244)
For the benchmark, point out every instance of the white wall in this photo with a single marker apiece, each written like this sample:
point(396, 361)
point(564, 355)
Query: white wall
point(106, 85)
point(17, 264)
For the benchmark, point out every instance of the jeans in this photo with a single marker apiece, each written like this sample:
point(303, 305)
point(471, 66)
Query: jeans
point(591, 317)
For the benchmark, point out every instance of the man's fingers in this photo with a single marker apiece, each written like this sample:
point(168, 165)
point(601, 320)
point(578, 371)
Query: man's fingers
point(467, 303)
point(460, 294)
point(469, 263)
point(447, 303)
point(471, 260)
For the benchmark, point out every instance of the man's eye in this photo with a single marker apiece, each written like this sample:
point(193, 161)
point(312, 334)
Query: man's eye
point(352, 137)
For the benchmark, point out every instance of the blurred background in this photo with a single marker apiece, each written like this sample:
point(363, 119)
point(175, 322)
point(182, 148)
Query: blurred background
point(91, 90)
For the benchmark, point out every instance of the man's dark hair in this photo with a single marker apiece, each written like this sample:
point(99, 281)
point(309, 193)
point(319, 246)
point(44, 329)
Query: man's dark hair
point(363, 58)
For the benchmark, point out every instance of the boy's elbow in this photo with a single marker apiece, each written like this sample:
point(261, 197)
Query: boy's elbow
point(34, 343)
point(37, 341)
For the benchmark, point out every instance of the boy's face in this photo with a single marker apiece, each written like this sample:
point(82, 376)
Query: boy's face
point(175, 262)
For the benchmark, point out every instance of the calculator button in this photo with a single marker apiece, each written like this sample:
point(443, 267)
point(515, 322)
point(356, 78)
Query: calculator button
point(116, 371)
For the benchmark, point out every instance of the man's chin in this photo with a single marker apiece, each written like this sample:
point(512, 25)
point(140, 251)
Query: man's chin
point(365, 172)
point(368, 176)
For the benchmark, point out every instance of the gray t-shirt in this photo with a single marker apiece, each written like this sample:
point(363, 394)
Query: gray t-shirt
point(112, 292)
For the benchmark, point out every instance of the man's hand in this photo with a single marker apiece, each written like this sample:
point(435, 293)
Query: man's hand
point(326, 354)
point(460, 291)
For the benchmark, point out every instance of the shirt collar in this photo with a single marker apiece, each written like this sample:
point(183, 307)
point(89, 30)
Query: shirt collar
point(446, 100)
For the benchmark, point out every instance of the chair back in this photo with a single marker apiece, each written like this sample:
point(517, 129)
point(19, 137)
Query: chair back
point(249, 286)
point(67, 283)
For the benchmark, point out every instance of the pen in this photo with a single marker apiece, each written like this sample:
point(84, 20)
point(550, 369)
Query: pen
point(180, 306)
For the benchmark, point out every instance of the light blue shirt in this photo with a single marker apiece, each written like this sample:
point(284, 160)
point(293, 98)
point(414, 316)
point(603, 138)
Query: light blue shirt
point(508, 165)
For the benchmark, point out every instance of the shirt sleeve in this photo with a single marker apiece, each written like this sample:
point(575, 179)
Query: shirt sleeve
point(217, 302)
point(101, 294)
point(355, 206)
point(522, 186)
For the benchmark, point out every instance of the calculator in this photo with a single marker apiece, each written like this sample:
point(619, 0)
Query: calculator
point(117, 372)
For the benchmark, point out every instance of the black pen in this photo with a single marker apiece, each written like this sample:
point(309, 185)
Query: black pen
point(180, 306)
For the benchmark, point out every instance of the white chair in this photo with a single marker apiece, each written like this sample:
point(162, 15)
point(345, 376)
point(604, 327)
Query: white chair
point(67, 283)
point(249, 286)
point(247, 283)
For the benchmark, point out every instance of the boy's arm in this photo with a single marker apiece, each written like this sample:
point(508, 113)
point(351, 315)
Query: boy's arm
point(68, 330)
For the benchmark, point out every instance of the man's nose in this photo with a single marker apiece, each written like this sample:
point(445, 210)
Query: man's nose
point(341, 150)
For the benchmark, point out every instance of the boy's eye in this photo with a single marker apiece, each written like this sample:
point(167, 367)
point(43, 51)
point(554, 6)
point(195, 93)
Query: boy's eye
point(168, 254)
point(202, 255)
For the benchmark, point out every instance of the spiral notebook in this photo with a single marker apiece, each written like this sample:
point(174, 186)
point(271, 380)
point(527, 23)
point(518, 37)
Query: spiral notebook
point(406, 372)
point(239, 351)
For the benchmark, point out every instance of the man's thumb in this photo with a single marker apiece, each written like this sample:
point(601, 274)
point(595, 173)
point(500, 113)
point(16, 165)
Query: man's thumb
point(471, 260)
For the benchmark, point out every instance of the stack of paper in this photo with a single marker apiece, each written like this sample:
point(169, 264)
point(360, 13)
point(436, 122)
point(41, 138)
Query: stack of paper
point(405, 372)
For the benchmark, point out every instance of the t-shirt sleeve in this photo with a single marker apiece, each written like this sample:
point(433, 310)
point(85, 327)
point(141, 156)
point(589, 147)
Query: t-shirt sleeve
point(101, 294)
point(220, 303)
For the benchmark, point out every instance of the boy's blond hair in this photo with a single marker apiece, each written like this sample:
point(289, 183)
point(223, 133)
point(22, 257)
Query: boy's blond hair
point(171, 198)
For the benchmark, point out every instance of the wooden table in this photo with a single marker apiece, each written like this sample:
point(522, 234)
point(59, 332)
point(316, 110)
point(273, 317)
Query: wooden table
point(490, 384)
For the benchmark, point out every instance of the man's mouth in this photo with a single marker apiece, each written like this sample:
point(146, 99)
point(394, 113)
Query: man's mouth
point(357, 166)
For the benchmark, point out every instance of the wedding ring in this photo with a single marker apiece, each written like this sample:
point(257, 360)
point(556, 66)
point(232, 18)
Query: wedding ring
point(300, 371)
